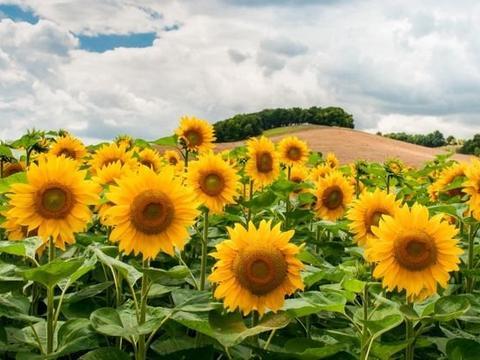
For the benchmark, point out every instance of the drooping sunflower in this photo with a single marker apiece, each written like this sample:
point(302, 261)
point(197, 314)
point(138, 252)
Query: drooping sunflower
point(472, 187)
point(214, 181)
point(320, 172)
point(110, 153)
point(331, 160)
point(367, 210)
point(256, 268)
point(150, 158)
point(394, 166)
point(298, 174)
point(197, 134)
point(125, 140)
point(262, 166)
point(414, 252)
point(70, 147)
point(55, 201)
point(11, 168)
point(293, 151)
point(174, 159)
point(151, 212)
point(333, 193)
point(446, 179)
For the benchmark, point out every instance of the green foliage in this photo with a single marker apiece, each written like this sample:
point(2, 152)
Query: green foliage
point(471, 146)
point(243, 126)
point(434, 139)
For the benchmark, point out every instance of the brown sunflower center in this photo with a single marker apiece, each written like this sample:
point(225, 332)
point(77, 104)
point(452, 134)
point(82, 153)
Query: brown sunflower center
point(260, 270)
point(294, 153)
point(333, 197)
point(264, 162)
point(147, 163)
point(212, 184)
point(12, 168)
point(415, 252)
point(54, 201)
point(374, 219)
point(151, 212)
point(111, 161)
point(173, 160)
point(194, 137)
point(68, 153)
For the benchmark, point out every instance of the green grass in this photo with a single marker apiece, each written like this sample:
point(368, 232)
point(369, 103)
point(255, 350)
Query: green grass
point(288, 130)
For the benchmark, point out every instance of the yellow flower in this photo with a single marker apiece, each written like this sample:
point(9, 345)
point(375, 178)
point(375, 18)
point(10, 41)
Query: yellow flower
point(70, 147)
point(55, 200)
point(331, 160)
point(262, 166)
point(197, 134)
point(367, 211)
point(293, 151)
point(125, 140)
point(298, 174)
point(150, 213)
point(110, 153)
point(394, 166)
point(414, 252)
point(150, 158)
point(11, 168)
point(447, 178)
point(320, 172)
point(472, 187)
point(256, 268)
point(333, 193)
point(213, 181)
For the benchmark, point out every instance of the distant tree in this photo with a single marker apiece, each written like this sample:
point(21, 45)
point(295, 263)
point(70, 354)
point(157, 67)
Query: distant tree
point(434, 139)
point(471, 146)
point(451, 140)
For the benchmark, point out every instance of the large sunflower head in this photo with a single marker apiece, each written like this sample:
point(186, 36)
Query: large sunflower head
point(150, 158)
point(293, 151)
point(110, 153)
point(414, 252)
point(320, 172)
point(214, 181)
point(262, 166)
point(448, 178)
point(256, 268)
point(196, 134)
point(11, 168)
point(70, 147)
point(367, 211)
point(151, 212)
point(55, 201)
point(331, 160)
point(471, 186)
point(333, 193)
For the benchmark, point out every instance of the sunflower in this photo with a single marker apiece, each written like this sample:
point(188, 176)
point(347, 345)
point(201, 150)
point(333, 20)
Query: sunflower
point(333, 194)
point(110, 153)
point(298, 174)
point(256, 268)
point(70, 147)
point(11, 168)
point(293, 151)
point(55, 200)
point(414, 252)
point(331, 160)
point(472, 187)
point(151, 212)
point(445, 180)
point(214, 181)
point(197, 134)
point(367, 211)
point(320, 172)
point(150, 158)
point(262, 166)
point(125, 140)
point(394, 166)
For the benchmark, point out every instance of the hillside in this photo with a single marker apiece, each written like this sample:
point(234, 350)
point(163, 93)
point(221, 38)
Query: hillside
point(350, 145)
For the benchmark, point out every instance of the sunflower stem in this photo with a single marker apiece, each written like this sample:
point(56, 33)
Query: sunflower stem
point(409, 336)
point(50, 303)
point(141, 349)
point(288, 205)
point(250, 195)
point(470, 264)
point(203, 264)
point(1, 168)
point(186, 159)
point(388, 183)
point(357, 185)
point(365, 337)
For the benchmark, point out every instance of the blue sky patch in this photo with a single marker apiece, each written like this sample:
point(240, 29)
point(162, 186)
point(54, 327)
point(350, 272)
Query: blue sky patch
point(101, 43)
point(16, 13)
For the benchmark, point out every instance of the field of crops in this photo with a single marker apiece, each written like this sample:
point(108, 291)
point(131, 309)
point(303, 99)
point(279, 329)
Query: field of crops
point(126, 250)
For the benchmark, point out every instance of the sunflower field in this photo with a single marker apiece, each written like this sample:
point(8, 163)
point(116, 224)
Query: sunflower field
point(138, 250)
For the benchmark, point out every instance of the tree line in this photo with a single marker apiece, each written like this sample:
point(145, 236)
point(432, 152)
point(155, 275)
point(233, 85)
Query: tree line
point(434, 139)
point(243, 126)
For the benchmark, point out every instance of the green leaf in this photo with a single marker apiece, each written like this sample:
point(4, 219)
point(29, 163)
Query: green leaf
point(27, 247)
point(176, 346)
point(166, 141)
point(5, 151)
point(174, 276)
point(74, 336)
point(87, 292)
point(385, 351)
point(353, 285)
point(450, 307)
point(16, 307)
point(52, 273)
point(312, 302)
point(128, 272)
point(463, 349)
point(106, 353)
point(5, 183)
point(308, 349)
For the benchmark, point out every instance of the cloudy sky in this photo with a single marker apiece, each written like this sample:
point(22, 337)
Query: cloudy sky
point(103, 68)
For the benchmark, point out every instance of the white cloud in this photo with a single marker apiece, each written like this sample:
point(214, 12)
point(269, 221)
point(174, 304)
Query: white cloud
point(396, 65)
